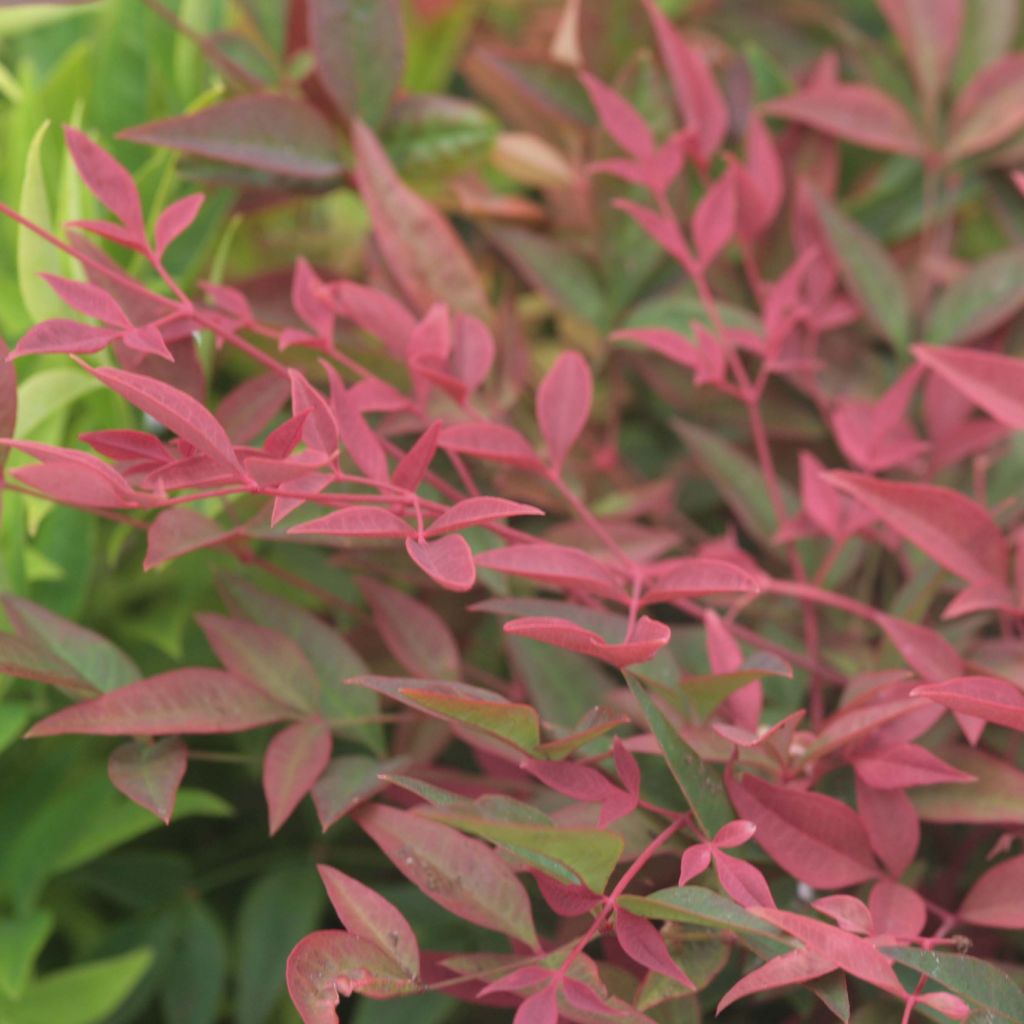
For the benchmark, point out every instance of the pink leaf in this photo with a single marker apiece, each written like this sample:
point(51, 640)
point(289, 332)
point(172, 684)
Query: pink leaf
point(734, 833)
point(462, 874)
point(108, 180)
point(149, 341)
point(413, 466)
point(474, 511)
point(897, 910)
point(714, 220)
point(563, 404)
point(956, 531)
point(695, 860)
point(358, 439)
point(176, 410)
point(492, 441)
point(947, 1003)
point(620, 118)
point(357, 521)
point(378, 314)
point(87, 298)
point(892, 825)
point(175, 220)
point(367, 914)
point(697, 577)
point(742, 881)
point(925, 650)
point(642, 942)
point(295, 758)
point(447, 561)
point(996, 900)
point(929, 34)
point(540, 1008)
point(647, 638)
point(63, 336)
point(552, 563)
point(321, 428)
point(993, 382)
point(178, 531)
point(794, 968)
point(417, 637)
point(579, 781)
point(905, 765)
point(73, 477)
point(188, 700)
point(583, 997)
point(860, 114)
point(848, 912)
point(994, 700)
point(816, 838)
point(150, 773)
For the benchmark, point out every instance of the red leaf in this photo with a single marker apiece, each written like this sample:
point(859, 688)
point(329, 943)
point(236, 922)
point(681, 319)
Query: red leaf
point(492, 441)
point(175, 220)
point(860, 114)
point(320, 431)
point(295, 758)
point(929, 34)
point(552, 563)
point(88, 299)
point(697, 95)
point(272, 133)
point(178, 531)
point(925, 650)
point(413, 466)
point(742, 881)
point(714, 220)
point(647, 638)
point(73, 477)
point(563, 404)
point(63, 336)
point(378, 314)
point(989, 110)
point(697, 577)
point(994, 700)
point(996, 900)
point(848, 912)
point(462, 874)
point(892, 825)
point(447, 561)
point(993, 382)
point(108, 180)
point(815, 838)
point(540, 1008)
point(359, 440)
point(417, 637)
point(358, 521)
point(642, 942)
point(329, 964)
point(905, 765)
point(188, 700)
point(897, 910)
point(956, 531)
point(367, 914)
point(422, 251)
point(620, 118)
point(474, 511)
point(150, 773)
point(789, 969)
point(176, 410)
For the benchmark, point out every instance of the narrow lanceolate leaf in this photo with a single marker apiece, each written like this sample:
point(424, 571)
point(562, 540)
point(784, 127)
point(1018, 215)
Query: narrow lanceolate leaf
point(462, 874)
point(994, 700)
point(996, 900)
point(793, 968)
point(8, 400)
point(994, 997)
point(176, 410)
point(989, 111)
point(367, 914)
point(991, 381)
point(699, 781)
point(329, 964)
point(295, 758)
point(188, 700)
point(860, 114)
point(269, 133)
point(929, 34)
point(150, 773)
point(869, 272)
point(563, 404)
point(816, 838)
point(476, 511)
point(109, 181)
point(359, 50)
point(956, 531)
point(358, 521)
point(981, 299)
point(422, 250)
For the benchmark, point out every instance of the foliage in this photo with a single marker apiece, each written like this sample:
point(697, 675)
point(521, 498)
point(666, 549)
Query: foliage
point(588, 469)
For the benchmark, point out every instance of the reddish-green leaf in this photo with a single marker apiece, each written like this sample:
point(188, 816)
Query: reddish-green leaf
point(295, 758)
point(981, 299)
point(150, 773)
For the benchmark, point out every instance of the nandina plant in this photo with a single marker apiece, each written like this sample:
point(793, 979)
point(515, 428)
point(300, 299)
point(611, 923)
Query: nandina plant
point(754, 753)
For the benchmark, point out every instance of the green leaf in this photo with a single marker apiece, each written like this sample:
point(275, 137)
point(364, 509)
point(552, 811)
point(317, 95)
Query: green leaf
point(49, 392)
point(516, 723)
point(434, 44)
point(700, 782)
point(360, 54)
point(277, 911)
point(35, 255)
point(196, 972)
point(996, 798)
point(84, 994)
point(589, 854)
point(869, 272)
point(987, 989)
point(21, 941)
point(431, 136)
point(695, 905)
point(980, 300)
